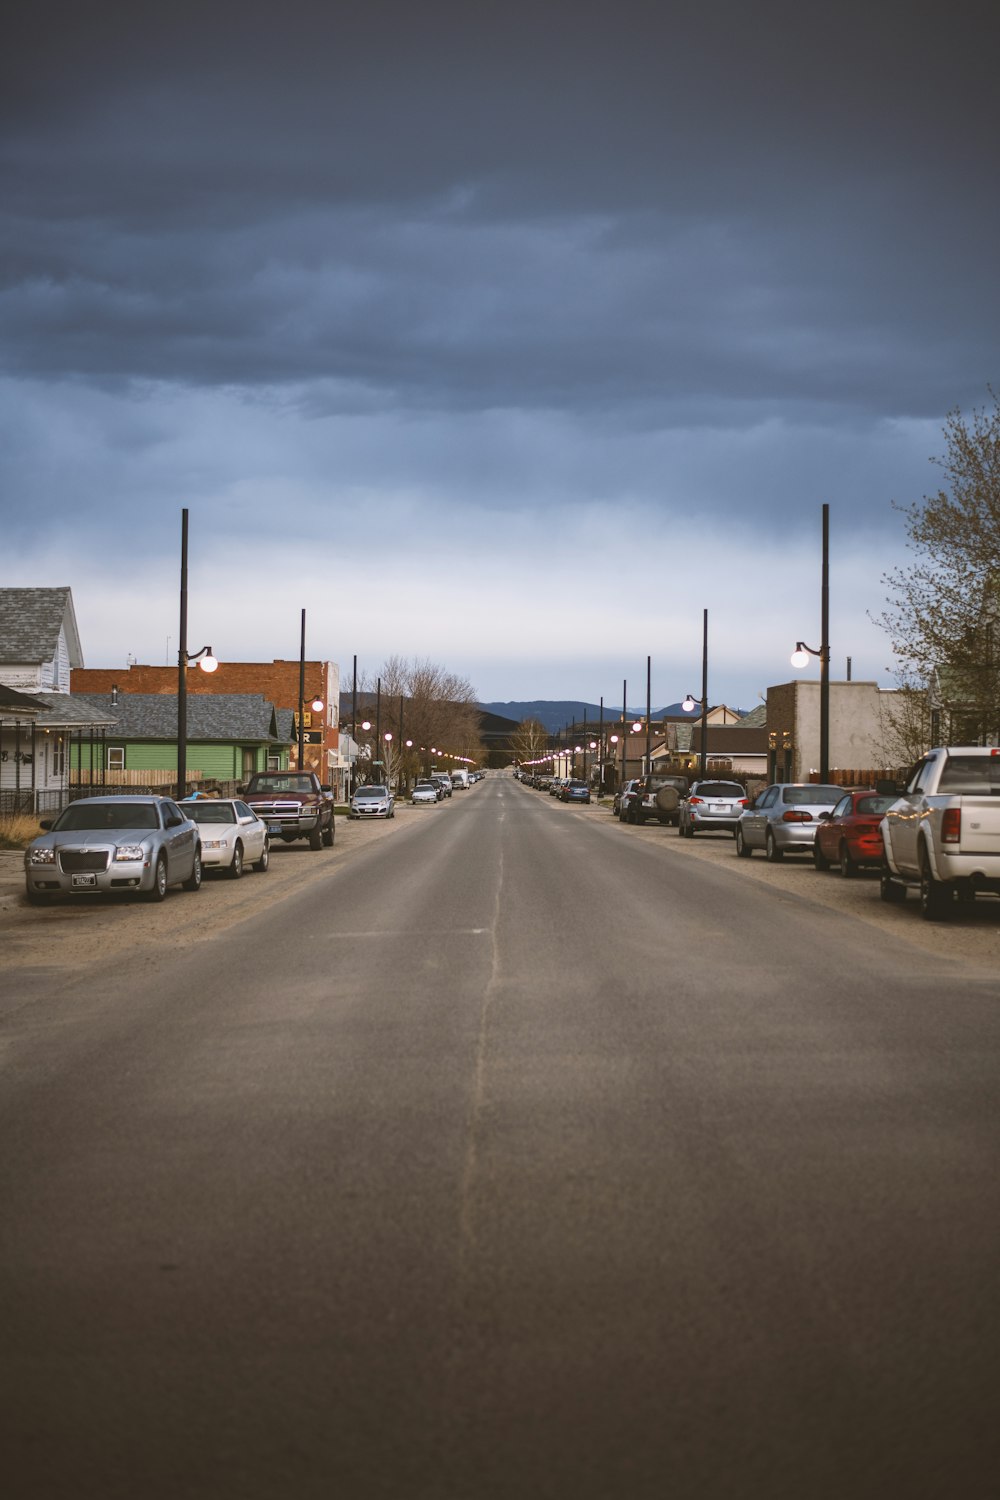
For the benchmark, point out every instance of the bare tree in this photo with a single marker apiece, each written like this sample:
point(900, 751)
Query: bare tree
point(437, 710)
point(944, 610)
point(529, 741)
point(906, 722)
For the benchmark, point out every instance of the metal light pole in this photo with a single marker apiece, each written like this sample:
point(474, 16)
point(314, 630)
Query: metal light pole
point(378, 717)
point(204, 657)
point(649, 709)
point(690, 702)
point(624, 717)
point(354, 731)
point(802, 653)
point(302, 693)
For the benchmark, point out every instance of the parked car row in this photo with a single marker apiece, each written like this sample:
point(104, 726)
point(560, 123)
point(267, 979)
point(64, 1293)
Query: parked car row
point(938, 836)
point(564, 788)
point(142, 844)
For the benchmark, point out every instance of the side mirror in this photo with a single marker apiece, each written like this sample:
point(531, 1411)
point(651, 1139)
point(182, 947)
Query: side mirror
point(326, 787)
point(46, 823)
point(824, 817)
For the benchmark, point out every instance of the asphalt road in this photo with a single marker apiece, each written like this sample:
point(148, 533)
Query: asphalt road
point(513, 1156)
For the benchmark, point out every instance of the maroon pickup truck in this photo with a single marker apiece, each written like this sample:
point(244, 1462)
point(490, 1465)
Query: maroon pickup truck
point(294, 805)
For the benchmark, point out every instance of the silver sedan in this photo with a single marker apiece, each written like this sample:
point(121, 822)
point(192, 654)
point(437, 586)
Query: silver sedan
point(114, 844)
point(232, 835)
point(783, 819)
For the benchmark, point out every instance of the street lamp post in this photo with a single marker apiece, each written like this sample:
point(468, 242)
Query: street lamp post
point(802, 653)
point(690, 702)
point(317, 705)
point(204, 658)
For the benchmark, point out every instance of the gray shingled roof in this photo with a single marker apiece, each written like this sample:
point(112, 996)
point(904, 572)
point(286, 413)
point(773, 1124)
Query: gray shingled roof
point(30, 620)
point(755, 719)
point(67, 711)
point(210, 716)
point(11, 701)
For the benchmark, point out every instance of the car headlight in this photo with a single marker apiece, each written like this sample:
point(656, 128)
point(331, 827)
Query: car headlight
point(130, 852)
point(44, 856)
point(213, 843)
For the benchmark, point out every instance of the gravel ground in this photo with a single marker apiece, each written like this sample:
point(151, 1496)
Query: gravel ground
point(81, 931)
point(77, 931)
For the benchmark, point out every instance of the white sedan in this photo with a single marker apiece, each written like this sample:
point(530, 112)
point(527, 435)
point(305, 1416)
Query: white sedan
point(232, 835)
point(424, 791)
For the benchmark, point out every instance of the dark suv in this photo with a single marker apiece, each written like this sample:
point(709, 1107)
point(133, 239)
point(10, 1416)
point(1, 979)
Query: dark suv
point(656, 797)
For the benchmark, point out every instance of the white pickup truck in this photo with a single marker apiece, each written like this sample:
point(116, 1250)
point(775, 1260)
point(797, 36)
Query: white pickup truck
point(943, 834)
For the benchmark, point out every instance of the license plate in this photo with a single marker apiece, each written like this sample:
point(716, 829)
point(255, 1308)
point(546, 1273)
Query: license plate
point(274, 827)
point(77, 881)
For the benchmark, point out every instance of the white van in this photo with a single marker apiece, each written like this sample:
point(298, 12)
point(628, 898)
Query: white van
point(460, 778)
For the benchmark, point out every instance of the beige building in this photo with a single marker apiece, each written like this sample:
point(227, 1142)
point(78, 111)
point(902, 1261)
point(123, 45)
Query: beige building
point(861, 731)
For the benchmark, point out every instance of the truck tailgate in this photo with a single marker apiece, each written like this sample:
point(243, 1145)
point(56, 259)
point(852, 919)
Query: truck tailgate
point(980, 826)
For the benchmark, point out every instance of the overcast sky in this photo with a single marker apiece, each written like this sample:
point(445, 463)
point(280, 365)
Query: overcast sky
point(510, 336)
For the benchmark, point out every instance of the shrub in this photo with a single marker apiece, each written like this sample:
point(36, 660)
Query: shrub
point(17, 830)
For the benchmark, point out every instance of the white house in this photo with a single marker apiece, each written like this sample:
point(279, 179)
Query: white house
point(39, 644)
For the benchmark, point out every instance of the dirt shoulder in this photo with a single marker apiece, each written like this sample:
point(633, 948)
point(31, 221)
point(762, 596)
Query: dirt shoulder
point(75, 932)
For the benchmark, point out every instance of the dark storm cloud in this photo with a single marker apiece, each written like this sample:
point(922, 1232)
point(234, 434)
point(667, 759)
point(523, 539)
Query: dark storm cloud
point(660, 210)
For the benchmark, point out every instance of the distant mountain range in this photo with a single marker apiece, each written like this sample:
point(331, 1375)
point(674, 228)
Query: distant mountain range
point(554, 715)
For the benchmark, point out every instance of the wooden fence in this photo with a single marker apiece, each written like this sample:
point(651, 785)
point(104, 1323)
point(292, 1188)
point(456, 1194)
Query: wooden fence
point(161, 778)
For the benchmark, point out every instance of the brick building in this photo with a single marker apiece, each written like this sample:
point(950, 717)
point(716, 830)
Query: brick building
point(277, 681)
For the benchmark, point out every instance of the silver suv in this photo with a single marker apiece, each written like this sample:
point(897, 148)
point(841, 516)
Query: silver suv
point(711, 804)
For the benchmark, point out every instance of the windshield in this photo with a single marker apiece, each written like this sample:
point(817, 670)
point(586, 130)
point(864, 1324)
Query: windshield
point(281, 784)
point(874, 805)
point(82, 816)
point(211, 812)
point(369, 792)
point(971, 775)
point(811, 796)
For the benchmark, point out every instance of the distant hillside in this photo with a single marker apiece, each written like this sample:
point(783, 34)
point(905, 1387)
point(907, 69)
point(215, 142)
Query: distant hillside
point(555, 715)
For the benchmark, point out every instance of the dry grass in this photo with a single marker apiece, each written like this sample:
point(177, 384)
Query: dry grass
point(17, 830)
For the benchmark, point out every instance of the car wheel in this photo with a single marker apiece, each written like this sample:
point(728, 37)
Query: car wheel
point(236, 868)
point(936, 896)
point(261, 864)
point(742, 847)
point(819, 858)
point(315, 839)
point(193, 882)
point(328, 835)
point(772, 853)
point(889, 889)
point(847, 866)
point(159, 889)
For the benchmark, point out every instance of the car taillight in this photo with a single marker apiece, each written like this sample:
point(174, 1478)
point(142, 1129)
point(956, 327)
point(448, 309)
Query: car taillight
point(693, 800)
point(744, 802)
point(951, 826)
point(795, 816)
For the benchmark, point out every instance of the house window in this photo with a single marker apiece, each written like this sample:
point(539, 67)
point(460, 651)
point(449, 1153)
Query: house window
point(116, 757)
point(273, 761)
point(58, 756)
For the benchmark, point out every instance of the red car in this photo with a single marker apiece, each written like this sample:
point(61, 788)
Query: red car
point(849, 835)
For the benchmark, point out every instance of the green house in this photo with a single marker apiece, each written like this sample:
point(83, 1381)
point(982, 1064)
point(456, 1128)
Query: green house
point(229, 736)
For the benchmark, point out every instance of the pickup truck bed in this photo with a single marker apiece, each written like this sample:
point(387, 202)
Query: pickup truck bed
point(942, 836)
